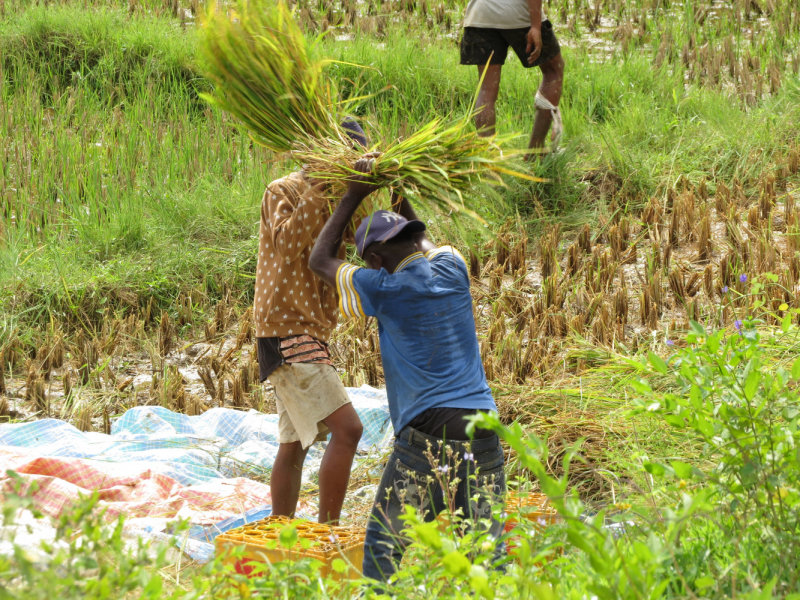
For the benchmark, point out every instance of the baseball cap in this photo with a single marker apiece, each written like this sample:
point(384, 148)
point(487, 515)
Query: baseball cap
point(353, 130)
point(381, 226)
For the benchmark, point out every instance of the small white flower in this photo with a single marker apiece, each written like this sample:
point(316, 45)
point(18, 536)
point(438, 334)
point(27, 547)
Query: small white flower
point(443, 468)
point(469, 456)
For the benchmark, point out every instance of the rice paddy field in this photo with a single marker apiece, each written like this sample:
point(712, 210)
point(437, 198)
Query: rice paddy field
point(129, 212)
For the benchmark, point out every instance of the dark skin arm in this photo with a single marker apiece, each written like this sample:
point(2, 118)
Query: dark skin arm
point(403, 207)
point(324, 261)
point(535, 33)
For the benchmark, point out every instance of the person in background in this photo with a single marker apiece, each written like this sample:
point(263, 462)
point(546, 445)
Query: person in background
point(490, 27)
point(434, 376)
point(294, 314)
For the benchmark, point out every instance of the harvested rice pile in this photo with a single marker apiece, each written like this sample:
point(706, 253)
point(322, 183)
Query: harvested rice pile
point(269, 77)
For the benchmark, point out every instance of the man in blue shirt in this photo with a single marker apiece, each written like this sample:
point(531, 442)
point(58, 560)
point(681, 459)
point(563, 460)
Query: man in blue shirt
point(419, 294)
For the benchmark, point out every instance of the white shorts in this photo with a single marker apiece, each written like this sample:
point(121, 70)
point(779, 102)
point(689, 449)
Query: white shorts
point(305, 394)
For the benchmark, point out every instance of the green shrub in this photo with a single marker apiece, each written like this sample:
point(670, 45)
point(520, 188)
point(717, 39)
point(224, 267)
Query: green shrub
point(726, 525)
point(747, 414)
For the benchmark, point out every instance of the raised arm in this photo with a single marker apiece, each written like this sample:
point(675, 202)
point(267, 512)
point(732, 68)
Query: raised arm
point(403, 207)
point(324, 259)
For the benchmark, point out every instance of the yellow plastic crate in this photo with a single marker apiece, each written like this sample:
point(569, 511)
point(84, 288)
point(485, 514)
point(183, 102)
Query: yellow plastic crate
point(531, 506)
point(329, 543)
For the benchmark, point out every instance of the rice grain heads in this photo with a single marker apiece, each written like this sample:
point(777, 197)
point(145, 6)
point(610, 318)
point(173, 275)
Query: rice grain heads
point(269, 76)
point(438, 164)
point(266, 75)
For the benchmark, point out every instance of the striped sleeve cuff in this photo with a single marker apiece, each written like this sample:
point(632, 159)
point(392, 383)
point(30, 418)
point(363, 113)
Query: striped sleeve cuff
point(431, 254)
point(349, 300)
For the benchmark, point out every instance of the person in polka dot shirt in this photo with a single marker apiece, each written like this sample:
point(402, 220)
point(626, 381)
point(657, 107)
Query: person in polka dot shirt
point(294, 314)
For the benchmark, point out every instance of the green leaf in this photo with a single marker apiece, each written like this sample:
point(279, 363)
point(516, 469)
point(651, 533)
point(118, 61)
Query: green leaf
point(796, 369)
point(456, 564)
point(429, 535)
point(339, 565)
point(751, 384)
point(641, 386)
point(657, 362)
point(696, 397)
point(713, 343)
point(154, 587)
point(288, 537)
point(675, 421)
point(703, 426)
point(786, 322)
point(479, 581)
point(766, 591)
point(654, 468)
point(543, 591)
point(682, 470)
point(702, 583)
point(579, 541)
point(697, 328)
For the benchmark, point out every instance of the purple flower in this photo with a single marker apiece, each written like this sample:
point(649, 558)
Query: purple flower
point(725, 290)
point(670, 343)
point(743, 278)
point(469, 456)
point(444, 469)
point(738, 325)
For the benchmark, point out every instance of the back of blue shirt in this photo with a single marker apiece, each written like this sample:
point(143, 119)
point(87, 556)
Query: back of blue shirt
point(429, 348)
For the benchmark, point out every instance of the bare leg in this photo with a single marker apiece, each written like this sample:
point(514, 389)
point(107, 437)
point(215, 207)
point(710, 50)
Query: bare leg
point(287, 475)
point(551, 88)
point(487, 97)
point(334, 472)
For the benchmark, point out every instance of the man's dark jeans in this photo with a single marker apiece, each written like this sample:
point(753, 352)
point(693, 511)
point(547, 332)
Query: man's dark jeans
point(410, 478)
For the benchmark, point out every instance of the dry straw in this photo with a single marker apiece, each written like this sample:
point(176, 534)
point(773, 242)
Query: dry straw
point(267, 74)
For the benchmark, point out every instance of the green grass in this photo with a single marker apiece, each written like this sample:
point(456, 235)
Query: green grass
point(116, 177)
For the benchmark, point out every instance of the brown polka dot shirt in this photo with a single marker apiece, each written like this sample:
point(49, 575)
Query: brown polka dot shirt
point(289, 298)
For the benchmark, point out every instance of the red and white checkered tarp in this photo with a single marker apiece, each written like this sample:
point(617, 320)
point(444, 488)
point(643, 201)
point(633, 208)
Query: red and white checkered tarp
point(132, 489)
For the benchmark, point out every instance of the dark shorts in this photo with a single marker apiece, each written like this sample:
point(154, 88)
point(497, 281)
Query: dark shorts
point(480, 43)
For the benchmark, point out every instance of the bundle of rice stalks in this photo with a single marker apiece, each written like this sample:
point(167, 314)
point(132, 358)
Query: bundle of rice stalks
point(208, 381)
point(438, 164)
point(166, 335)
point(36, 393)
point(5, 409)
point(82, 417)
point(245, 329)
point(268, 76)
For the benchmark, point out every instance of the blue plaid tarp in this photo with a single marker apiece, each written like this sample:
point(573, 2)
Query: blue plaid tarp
point(220, 443)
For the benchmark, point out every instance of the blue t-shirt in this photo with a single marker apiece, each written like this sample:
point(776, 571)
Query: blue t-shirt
point(429, 347)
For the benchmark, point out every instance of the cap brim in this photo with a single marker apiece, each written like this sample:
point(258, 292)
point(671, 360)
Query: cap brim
point(415, 226)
